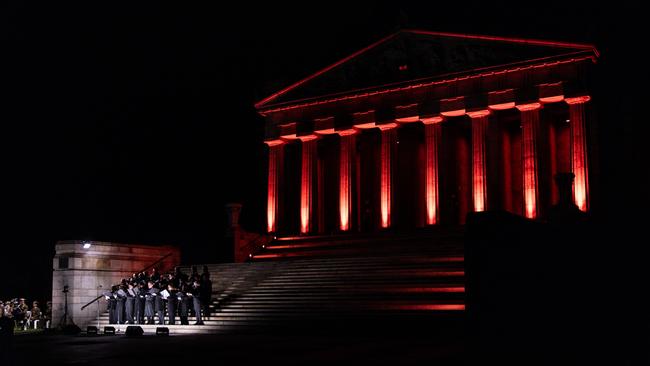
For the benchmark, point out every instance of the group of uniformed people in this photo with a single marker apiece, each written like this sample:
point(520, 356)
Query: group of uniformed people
point(25, 316)
point(144, 296)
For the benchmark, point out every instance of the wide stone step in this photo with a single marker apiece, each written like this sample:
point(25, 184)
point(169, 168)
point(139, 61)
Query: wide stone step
point(430, 235)
point(353, 288)
point(404, 311)
point(173, 329)
point(309, 315)
point(342, 304)
point(310, 266)
point(364, 259)
point(268, 256)
point(353, 279)
point(458, 293)
point(439, 242)
point(360, 259)
point(342, 252)
point(433, 277)
point(365, 269)
point(419, 272)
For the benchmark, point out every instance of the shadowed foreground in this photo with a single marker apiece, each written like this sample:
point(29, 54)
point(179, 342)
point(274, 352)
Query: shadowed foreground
point(297, 349)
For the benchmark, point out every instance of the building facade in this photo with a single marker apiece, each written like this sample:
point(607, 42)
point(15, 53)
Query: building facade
point(421, 128)
point(86, 269)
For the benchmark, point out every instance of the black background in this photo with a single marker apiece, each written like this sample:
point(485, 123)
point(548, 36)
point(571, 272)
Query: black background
point(134, 122)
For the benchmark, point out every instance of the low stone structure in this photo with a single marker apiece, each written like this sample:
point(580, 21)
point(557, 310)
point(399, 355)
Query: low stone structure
point(88, 268)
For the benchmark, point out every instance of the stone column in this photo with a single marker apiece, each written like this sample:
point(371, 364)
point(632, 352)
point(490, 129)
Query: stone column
point(306, 183)
point(346, 159)
point(432, 131)
point(276, 161)
point(388, 137)
point(579, 163)
point(479, 170)
point(529, 140)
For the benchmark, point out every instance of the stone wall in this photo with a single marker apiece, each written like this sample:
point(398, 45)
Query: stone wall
point(89, 271)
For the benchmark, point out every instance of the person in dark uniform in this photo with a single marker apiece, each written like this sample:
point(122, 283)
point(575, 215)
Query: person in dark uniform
point(111, 305)
point(172, 302)
point(20, 313)
point(184, 302)
point(196, 300)
point(139, 303)
point(6, 338)
point(155, 276)
point(195, 274)
point(130, 303)
point(119, 306)
point(150, 300)
point(179, 276)
point(206, 292)
point(159, 304)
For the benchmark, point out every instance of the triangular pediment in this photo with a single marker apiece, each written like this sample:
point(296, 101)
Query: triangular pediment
point(414, 55)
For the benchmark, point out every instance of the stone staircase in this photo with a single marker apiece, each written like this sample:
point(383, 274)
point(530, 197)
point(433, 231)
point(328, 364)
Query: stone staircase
point(325, 283)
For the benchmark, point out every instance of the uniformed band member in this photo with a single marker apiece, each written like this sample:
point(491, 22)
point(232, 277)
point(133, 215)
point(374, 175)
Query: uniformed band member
point(196, 300)
point(119, 307)
point(140, 298)
point(172, 301)
point(206, 294)
point(130, 303)
point(150, 298)
point(139, 303)
point(184, 301)
point(111, 305)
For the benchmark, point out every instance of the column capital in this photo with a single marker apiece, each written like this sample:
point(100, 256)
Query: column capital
point(529, 106)
point(452, 107)
point(501, 99)
point(309, 137)
point(432, 120)
point(387, 126)
point(551, 92)
point(346, 132)
point(324, 126)
point(365, 126)
point(479, 114)
point(578, 100)
point(289, 138)
point(275, 142)
point(363, 117)
point(409, 119)
point(407, 113)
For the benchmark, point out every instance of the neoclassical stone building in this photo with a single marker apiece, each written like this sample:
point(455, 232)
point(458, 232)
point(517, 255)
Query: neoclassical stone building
point(421, 128)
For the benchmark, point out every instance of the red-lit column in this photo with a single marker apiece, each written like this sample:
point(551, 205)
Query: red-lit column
point(388, 137)
point(276, 158)
point(529, 137)
point(346, 159)
point(479, 170)
point(306, 183)
point(432, 143)
point(579, 150)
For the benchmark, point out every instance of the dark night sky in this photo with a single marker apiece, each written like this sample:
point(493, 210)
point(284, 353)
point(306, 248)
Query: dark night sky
point(120, 122)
